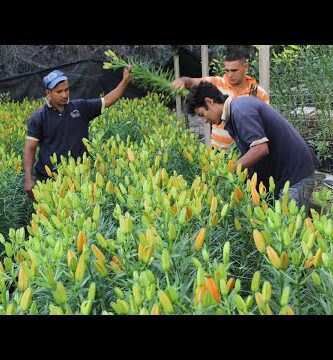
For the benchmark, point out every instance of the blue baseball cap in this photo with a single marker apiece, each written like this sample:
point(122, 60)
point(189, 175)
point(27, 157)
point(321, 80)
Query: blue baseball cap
point(53, 78)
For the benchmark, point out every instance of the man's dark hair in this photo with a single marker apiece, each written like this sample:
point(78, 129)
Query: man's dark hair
point(234, 55)
point(197, 95)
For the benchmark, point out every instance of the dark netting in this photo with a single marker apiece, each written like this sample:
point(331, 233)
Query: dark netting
point(88, 79)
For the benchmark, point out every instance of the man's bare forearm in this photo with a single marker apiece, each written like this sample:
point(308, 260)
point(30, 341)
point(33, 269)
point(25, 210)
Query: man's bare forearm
point(253, 155)
point(115, 94)
point(28, 160)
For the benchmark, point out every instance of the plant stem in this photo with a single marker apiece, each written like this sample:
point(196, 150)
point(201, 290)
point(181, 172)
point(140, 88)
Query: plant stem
point(281, 283)
point(167, 278)
point(228, 306)
point(298, 288)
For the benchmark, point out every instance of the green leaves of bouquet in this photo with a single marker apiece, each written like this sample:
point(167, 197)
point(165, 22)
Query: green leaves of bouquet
point(146, 75)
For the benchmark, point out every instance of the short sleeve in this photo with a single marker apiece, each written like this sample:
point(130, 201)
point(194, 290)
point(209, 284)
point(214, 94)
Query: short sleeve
point(262, 95)
point(249, 125)
point(34, 127)
point(91, 108)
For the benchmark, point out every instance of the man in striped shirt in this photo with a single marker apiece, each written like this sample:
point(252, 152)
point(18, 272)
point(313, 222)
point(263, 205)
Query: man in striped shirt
point(234, 82)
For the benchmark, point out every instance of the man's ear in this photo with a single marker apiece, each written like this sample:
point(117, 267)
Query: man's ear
point(208, 101)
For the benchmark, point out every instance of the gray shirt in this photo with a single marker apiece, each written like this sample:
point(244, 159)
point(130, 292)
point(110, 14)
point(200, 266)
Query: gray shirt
point(252, 122)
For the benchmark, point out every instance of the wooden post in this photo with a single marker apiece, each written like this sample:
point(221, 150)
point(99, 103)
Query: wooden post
point(205, 72)
point(264, 64)
point(177, 76)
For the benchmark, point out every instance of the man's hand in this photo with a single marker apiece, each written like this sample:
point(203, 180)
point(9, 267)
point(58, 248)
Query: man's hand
point(111, 97)
point(178, 84)
point(29, 184)
point(127, 74)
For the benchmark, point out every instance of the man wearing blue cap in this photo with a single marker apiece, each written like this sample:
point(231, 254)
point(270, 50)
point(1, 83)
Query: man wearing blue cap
point(61, 124)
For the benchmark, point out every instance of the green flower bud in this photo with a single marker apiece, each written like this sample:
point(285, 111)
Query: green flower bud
point(8, 263)
point(136, 289)
point(285, 296)
point(226, 252)
point(144, 311)
point(165, 302)
point(223, 288)
point(316, 278)
point(205, 255)
point(11, 308)
point(9, 249)
point(165, 260)
point(92, 291)
point(172, 233)
point(135, 276)
point(295, 258)
point(286, 238)
point(200, 277)
point(224, 210)
point(271, 185)
point(119, 292)
point(249, 301)
point(86, 307)
point(173, 294)
point(26, 299)
point(196, 262)
point(237, 286)
point(286, 187)
point(267, 291)
point(55, 310)
point(241, 306)
point(255, 284)
point(59, 294)
point(259, 213)
point(150, 292)
point(277, 207)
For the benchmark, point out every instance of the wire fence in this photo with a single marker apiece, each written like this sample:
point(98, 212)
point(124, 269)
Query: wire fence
point(312, 118)
point(312, 115)
point(302, 90)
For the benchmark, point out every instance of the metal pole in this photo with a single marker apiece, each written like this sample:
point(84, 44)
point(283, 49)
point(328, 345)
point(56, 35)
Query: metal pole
point(177, 76)
point(264, 64)
point(205, 72)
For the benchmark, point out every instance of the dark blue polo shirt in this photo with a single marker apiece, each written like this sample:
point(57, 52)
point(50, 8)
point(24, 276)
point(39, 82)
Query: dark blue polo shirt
point(290, 157)
point(62, 132)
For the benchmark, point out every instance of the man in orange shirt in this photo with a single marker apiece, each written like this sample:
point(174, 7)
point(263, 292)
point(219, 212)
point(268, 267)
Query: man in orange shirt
point(234, 82)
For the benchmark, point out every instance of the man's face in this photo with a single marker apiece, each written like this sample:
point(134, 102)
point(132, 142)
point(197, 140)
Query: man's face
point(60, 93)
point(213, 112)
point(236, 71)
